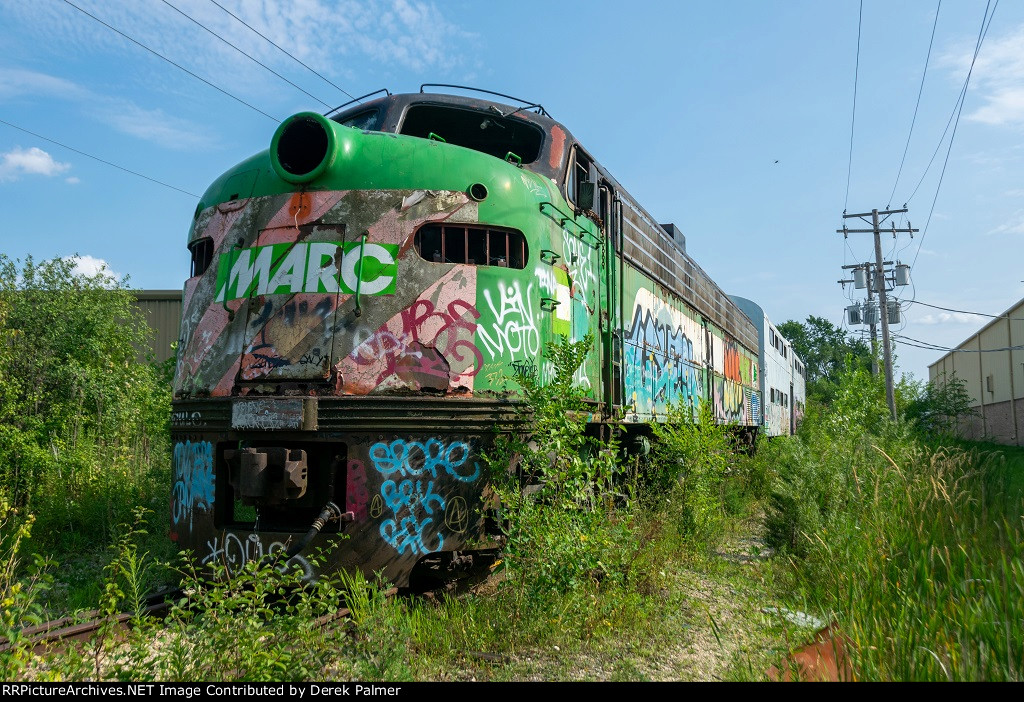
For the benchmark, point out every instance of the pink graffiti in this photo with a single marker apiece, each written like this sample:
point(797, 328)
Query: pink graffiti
point(429, 344)
point(357, 497)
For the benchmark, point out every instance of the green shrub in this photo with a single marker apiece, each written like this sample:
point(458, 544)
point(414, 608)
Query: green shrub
point(83, 425)
point(689, 468)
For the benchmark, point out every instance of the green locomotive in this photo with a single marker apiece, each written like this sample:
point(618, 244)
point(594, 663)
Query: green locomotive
point(360, 295)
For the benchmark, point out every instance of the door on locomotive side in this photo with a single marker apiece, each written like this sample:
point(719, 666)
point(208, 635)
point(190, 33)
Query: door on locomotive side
point(583, 249)
point(609, 321)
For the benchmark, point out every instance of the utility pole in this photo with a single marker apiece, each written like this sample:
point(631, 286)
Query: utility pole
point(871, 298)
point(879, 280)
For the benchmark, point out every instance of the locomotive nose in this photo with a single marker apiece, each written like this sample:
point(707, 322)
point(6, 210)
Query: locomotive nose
point(303, 147)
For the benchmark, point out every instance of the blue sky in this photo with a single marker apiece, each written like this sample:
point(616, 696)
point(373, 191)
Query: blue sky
point(731, 119)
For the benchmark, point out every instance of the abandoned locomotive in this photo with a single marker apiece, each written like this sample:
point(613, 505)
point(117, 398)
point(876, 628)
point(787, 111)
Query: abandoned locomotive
point(360, 294)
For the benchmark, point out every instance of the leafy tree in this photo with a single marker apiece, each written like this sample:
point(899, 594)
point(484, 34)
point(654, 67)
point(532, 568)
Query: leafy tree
point(824, 348)
point(936, 407)
point(79, 414)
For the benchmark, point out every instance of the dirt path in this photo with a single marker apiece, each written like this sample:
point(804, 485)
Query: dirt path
point(714, 626)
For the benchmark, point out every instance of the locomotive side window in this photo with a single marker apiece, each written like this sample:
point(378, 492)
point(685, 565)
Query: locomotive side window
point(365, 120)
point(580, 180)
point(485, 131)
point(475, 246)
point(202, 255)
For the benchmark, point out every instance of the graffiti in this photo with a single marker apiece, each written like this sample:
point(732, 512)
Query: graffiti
point(187, 419)
point(581, 268)
point(314, 358)
point(376, 507)
point(659, 365)
point(580, 378)
point(263, 414)
point(456, 515)
point(732, 362)
point(260, 358)
point(193, 480)
point(233, 553)
point(293, 311)
point(356, 494)
point(423, 345)
point(289, 268)
point(524, 369)
point(513, 330)
point(728, 399)
point(412, 499)
point(414, 458)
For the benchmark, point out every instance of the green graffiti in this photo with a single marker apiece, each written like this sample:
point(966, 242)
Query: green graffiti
point(283, 269)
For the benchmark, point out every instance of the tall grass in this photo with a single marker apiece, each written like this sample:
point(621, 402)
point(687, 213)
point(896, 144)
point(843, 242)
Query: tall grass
point(915, 547)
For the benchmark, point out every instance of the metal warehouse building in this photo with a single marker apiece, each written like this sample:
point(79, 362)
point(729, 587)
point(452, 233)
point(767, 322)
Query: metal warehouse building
point(991, 363)
point(162, 309)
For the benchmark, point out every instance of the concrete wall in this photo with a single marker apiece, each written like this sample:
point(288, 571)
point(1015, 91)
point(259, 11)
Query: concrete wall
point(993, 375)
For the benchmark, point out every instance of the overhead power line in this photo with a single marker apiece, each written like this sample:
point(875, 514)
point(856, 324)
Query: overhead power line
point(927, 345)
point(286, 53)
point(853, 117)
point(176, 65)
point(980, 314)
point(977, 49)
point(243, 53)
point(97, 158)
point(920, 90)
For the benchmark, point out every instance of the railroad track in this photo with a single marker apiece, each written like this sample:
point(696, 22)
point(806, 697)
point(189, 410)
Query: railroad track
point(81, 628)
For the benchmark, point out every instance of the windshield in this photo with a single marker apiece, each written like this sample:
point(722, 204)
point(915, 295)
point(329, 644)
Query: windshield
point(481, 130)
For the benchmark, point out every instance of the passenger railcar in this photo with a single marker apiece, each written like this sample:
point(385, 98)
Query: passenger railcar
point(783, 381)
point(361, 294)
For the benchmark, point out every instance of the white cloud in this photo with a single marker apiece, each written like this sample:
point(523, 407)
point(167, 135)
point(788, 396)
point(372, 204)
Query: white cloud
point(73, 180)
point(153, 125)
point(1004, 106)
point(122, 114)
point(90, 266)
point(332, 36)
point(950, 318)
point(998, 76)
point(1014, 225)
point(31, 161)
point(15, 82)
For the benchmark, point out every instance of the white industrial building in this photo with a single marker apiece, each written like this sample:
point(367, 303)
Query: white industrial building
point(991, 363)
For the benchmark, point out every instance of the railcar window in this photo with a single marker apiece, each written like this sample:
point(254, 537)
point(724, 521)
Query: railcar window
point(473, 245)
point(202, 255)
point(365, 120)
point(579, 172)
point(483, 131)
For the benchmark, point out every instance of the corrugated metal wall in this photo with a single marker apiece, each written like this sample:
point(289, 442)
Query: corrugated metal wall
point(162, 309)
point(992, 368)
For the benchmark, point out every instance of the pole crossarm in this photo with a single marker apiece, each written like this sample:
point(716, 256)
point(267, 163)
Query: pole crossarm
point(844, 230)
point(880, 282)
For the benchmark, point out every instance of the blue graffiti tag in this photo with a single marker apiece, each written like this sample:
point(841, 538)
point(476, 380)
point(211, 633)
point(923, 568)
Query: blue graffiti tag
point(660, 368)
point(412, 500)
point(414, 458)
point(193, 480)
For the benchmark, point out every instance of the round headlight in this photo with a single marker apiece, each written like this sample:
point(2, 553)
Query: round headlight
point(303, 147)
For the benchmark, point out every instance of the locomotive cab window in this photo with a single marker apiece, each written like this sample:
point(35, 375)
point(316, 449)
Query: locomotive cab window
point(475, 246)
point(365, 120)
point(485, 131)
point(580, 181)
point(202, 255)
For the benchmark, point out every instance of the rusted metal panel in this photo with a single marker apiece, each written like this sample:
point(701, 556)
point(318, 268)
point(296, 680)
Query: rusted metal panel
point(266, 414)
